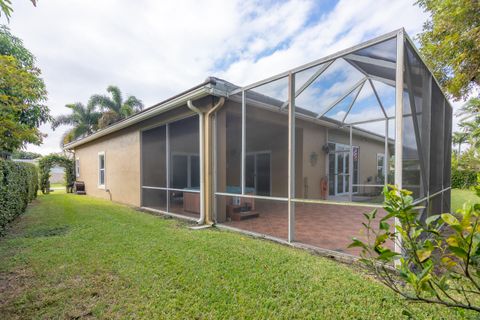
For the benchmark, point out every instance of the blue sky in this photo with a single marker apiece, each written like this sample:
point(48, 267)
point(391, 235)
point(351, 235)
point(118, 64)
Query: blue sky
point(155, 49)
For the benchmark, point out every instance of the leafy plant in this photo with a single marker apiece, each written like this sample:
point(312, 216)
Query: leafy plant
point(440, 255)
point(449, 42)
point(463, 179)
point(6, 8)
point(21, 154)
point(47, 162)
point(18, 186)
point(22, 95)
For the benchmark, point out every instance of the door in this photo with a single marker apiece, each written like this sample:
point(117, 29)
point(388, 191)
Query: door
point(342, 175)
point(258, 172)
point(263, 174)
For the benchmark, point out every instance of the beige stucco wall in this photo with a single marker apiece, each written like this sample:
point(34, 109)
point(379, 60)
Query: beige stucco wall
point(122, 155)
point(122, 168)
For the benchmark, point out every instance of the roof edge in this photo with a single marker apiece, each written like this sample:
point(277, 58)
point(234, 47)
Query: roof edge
point(204, 89)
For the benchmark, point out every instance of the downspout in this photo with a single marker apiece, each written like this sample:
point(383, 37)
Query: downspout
point(210, 154)
point(205, 158)
point(190, 105)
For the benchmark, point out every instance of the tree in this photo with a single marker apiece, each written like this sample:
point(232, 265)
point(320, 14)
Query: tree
point(440, 260)
point(6, 7)
point(13, 46)
point(20, 154)
point(450, 42)
point(115, 108)
point(84, 121)
point(458, 139)
point(470, 120)
point(22, 94)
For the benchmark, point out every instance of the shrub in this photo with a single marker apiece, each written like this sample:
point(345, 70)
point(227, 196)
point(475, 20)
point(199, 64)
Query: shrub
point(463, 179)
point(440, 259)
point(18, 186)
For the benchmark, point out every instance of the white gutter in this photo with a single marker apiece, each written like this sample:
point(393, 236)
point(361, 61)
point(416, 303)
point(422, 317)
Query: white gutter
point(190, 105)
point(151, 112)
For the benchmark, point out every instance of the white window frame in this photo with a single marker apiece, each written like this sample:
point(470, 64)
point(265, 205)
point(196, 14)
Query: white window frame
point(100, 185)
point(382, 167)
point(77, 167)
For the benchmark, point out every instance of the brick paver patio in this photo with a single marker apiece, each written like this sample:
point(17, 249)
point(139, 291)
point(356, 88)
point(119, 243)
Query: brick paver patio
point(325, 226)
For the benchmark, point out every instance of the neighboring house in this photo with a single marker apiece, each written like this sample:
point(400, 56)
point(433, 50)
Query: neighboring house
point(299, 156)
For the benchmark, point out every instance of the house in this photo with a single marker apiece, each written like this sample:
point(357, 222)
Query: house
point(296, 157)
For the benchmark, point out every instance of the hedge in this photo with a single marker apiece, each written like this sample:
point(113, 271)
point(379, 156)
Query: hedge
point(18, 186)
point(463, 179)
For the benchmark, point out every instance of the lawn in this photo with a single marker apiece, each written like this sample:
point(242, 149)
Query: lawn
point(459, 196)
point(57, 185)
point(74, 256)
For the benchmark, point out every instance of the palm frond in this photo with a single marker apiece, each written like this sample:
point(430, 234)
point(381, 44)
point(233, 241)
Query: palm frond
point(63, 120)
point(104, 102)
point(134, 103)
point(67, 137)
point(116, 95)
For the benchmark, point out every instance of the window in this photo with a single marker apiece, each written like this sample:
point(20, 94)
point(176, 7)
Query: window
point(380, 168)
point(101, 170)
point(77, 167)
point(185, 171)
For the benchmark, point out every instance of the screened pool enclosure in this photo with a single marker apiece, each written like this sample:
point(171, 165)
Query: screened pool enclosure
point(301, 155)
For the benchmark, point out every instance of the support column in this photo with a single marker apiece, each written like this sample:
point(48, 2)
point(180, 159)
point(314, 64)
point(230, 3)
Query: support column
point(350, 166)
point(291, 157)
point(385, 158)
point(244, 115)
point(399, 117)
point(167, 163)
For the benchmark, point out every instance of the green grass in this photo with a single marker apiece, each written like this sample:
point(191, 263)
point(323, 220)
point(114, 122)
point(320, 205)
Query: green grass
point(460, 196)
point(57, 185)
point(74, 256)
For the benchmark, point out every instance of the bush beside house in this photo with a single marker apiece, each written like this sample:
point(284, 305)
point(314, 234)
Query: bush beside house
point(18, 186)
point(463, 179)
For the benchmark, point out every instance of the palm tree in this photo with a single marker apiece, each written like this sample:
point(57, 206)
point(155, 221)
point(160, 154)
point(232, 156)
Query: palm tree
point(83, 119)
point(114, 107)
point(460, 138)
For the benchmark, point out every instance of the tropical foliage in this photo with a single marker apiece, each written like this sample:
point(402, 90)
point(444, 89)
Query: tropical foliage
point(114, 108)
point(87, 119)
point(6, 8)
point(450, 43)
point(440, 256)
point(21, 154)
point(22, 95)
point(18, 186)
point(47, 162)
point(83, 119)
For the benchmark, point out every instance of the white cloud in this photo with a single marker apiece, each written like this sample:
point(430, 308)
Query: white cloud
point(154, 49)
